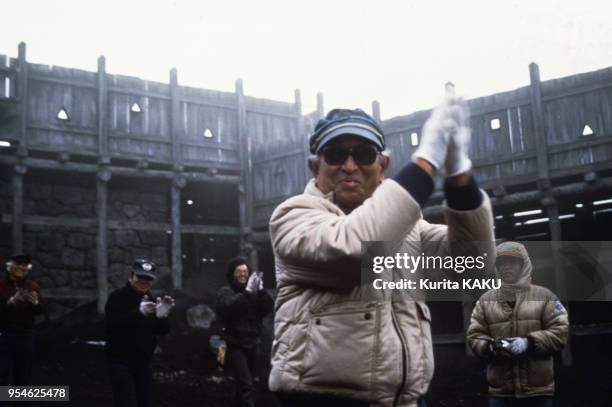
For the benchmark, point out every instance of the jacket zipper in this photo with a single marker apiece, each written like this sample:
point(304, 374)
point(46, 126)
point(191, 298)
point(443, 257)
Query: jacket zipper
point(401, 338)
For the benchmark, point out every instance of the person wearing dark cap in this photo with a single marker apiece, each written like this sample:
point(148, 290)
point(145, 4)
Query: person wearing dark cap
point(241, 307)
point(530, 325)
point(331, 348)
point(20, 302)
point(133, 322)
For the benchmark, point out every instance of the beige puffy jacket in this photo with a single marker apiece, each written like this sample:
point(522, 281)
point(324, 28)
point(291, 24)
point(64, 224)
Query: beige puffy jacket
point(327, 340)
point(537, 315)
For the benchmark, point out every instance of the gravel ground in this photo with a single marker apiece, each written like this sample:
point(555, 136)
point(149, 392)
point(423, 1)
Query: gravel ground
point(186, 373)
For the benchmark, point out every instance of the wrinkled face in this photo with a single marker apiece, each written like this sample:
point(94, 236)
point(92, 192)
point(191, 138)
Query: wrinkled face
point(142, 284)
point(241, 274)
point(509, 268)
point(351, 183)
point(18, 271)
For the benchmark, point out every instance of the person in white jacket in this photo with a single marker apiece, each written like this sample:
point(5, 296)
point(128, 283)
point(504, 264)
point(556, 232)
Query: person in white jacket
point(332, 348)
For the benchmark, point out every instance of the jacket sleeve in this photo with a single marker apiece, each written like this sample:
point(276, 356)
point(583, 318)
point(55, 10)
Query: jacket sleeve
point(265, 302)
point(478, 332)
point(230, 303)
point(313, 235)
point(466, 233)
point(555, 328)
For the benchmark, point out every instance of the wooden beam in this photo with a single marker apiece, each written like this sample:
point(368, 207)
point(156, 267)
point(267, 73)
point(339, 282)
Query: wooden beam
point(102, 237)
point(301, 134)
point(17, 218)
point(177, 250)
point(116, 170)
point(22, 81)
point(376, 110)
point(554, 227)
point(320, 105)
point(88, 223)
point(538, 122)
point(245, 199)
point(531, 196)
point(175, 114)
point(102, 108)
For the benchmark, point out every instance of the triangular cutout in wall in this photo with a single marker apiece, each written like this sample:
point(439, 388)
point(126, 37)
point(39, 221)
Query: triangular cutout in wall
point(62, 114)
point(587, 131)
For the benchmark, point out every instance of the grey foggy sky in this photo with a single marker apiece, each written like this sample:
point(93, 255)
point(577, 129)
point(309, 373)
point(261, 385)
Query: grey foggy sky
point(397, 52)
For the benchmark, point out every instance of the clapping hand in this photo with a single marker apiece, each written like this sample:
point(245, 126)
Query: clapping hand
point(163, 306)
point(147, 307)
point(446, 135)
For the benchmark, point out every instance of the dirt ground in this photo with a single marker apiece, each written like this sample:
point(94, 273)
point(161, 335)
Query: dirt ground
point(186, 373)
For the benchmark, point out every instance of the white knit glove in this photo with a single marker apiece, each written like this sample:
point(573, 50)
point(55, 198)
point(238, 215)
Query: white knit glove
point(147, 307)
point(436, 133)
point(518, 345)
point(253, 283)
point(260, 276)
point(457, 159)
point(163, 306)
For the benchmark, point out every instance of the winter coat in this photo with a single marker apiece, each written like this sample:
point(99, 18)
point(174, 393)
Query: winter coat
point(328, 340)
point(519, 310)
point(241, 313)
point(18, 318)
point(131, 336)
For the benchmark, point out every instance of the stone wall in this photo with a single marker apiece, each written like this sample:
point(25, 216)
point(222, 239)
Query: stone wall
point(64, 258)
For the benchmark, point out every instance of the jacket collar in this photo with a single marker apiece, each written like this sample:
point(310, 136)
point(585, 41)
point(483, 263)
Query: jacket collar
point(311, 189)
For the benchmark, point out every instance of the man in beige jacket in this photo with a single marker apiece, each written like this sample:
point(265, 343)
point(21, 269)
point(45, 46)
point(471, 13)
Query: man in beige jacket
point(529, 323)
point(331, 347)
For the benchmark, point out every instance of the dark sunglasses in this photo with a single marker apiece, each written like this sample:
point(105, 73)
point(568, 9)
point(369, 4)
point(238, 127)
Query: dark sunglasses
point(363, 154)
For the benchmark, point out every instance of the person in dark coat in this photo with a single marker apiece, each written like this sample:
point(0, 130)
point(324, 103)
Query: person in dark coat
point(241, 307)
point(20, 302)
point(133, 322)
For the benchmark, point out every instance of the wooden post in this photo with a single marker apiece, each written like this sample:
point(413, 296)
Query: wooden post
point(103, 177)
point(245, 199)
point(376, 110)
point(23, 96)
point(20, 169)
point(178, 183)
point(175, 116)
point(302, 136)
point(552, 212)
point(320, 108)
point(539, 127)
point(18, 173)
point(102, 107)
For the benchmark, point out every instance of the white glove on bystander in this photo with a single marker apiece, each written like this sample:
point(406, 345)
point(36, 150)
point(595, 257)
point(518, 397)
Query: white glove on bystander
point(253, 283)
point(163, 306)
point(260, 276)
point(147, 307)
point(518, 345)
